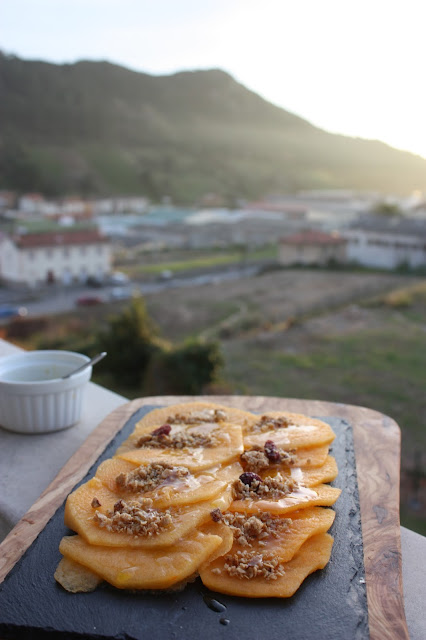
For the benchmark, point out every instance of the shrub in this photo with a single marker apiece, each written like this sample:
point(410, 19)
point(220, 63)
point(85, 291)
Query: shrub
point(187, 369)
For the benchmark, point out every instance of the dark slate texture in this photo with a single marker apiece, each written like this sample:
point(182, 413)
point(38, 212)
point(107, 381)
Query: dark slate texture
point(330, 605)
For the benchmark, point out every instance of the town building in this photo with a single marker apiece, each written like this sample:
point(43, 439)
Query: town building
point(63, 256)
point(35, 204)
point(311, 247)
point(387, 241)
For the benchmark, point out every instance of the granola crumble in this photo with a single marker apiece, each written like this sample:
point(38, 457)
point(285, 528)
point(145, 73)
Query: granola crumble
point(250, 528)
point(181, 440)
point(267, 423)
point(149, 477)
point(251, 564)
point(260, 458)
point(134, 517)
point(251, 486)
point(197, 417)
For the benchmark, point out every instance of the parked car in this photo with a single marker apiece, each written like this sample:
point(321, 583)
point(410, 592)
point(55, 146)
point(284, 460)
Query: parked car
point(121, 293)
point(88, 301)
point(93, 281)
point(7, 311)
point(118, 278)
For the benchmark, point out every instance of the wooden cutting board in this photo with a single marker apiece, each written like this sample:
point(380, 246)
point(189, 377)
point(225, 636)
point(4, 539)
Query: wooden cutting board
point(377, 451)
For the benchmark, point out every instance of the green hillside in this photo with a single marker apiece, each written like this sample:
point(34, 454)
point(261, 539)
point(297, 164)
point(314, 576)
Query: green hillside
point(95, 128)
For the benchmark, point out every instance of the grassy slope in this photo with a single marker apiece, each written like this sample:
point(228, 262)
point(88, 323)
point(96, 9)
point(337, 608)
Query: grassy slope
point(381, 368)
point(100, 128)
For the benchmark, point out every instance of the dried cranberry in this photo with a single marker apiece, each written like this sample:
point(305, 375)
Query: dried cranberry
point(162, 431)
point(271, 451)
point(249, 477)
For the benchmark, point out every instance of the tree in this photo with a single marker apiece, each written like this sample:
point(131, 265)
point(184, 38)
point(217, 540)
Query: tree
point(130, 339)
point(387, 209)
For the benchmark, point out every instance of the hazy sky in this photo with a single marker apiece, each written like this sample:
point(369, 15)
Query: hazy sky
point(356, 67)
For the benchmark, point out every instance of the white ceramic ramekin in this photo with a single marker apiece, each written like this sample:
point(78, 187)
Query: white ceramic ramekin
point(34, 398)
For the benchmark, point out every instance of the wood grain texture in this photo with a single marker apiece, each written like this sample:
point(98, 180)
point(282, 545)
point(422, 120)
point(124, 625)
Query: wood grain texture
point(377, 451)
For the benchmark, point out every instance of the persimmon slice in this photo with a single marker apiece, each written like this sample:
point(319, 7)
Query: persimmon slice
point(226, 447)
point(307, 477)
point(130, 568)
point(80, 517)
point(303, 457)
point(174, 489)
point(75, 578)
point(320, 495)
point(287, 430)
point(311, 457)
point(196, 413)
point(313, 555)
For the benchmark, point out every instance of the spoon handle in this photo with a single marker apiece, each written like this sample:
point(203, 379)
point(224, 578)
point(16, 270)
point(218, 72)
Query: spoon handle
point(86, 364)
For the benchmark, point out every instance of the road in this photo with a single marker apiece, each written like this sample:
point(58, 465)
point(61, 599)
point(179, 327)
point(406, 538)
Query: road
point(61, 300)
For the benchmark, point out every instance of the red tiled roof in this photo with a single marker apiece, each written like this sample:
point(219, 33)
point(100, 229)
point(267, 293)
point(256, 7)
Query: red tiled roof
point(313, 238)
point(59, 238)
point(33, 196)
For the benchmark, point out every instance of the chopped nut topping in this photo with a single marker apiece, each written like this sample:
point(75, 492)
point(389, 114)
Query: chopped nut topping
point(255, 459)
point(251, 564)
point(250, 485)
point(267, 423)
point(180, 440)
point(149, 477)
point(197, 417)
point(249, 528)
point(134, 517)
point(95, 503)
point(258, 458)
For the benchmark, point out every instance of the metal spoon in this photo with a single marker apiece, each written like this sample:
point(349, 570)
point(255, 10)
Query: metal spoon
point(85, 365)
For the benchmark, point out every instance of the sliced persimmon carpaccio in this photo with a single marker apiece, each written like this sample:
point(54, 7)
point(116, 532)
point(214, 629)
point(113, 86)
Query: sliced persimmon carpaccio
point(226, 447)
point(301, 498)
point(297, 431)
point(173, 489)
point(313, 555)
point(80, 516)
point(131, 568)
point(170, 534)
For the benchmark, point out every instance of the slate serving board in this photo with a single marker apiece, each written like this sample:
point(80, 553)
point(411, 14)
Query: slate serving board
point(330, 605)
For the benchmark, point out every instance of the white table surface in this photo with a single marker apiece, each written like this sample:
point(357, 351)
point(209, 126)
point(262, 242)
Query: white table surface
point(28, 464)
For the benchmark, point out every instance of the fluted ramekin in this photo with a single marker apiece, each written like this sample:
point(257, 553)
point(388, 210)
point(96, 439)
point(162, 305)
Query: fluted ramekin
point(34, 398)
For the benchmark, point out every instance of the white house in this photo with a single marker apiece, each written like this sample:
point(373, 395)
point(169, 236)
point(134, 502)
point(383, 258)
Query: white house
point(65, 255)
point(35, 204)
point(311, 247)
point(387, 242)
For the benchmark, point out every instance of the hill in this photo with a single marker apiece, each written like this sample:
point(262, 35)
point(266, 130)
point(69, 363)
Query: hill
point(96, 128)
